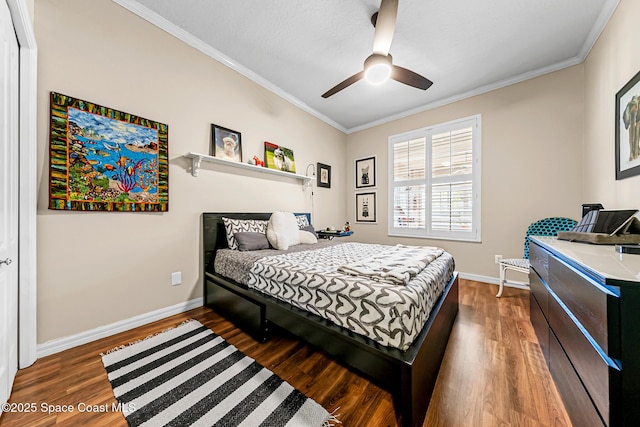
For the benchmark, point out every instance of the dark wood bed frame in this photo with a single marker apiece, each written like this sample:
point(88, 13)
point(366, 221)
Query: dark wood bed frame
point(409, 375)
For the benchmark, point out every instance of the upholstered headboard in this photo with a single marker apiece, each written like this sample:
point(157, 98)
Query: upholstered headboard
point(214, 235)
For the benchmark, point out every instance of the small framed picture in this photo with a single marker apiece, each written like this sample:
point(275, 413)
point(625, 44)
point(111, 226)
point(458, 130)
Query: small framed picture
point(324, 175)
point(279, 157)
point(226, 144)
point(628, 129)
point(366, 209)
point(365, 171)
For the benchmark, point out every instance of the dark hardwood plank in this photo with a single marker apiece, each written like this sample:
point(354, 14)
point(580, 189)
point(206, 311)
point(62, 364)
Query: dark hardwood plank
point(493, 372)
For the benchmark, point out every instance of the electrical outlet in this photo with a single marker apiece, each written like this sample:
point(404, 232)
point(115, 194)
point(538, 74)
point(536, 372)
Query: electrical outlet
point(497, 258)
point(176, 278)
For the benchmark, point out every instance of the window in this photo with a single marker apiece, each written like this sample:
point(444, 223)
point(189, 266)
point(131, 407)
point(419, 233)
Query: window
point(434, 181)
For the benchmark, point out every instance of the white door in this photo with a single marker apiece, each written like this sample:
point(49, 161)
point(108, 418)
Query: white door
point(8, 203)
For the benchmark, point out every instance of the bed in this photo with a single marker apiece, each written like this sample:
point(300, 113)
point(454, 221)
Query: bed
point(408, 369)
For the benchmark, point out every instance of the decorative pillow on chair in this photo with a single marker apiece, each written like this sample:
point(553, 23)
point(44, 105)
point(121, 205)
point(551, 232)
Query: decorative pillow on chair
point(233, 226)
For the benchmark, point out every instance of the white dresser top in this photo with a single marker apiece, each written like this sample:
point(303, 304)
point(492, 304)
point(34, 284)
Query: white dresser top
point(600, 260)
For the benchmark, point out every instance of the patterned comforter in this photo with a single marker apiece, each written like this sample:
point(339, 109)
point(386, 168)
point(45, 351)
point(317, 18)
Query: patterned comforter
point(390, 314)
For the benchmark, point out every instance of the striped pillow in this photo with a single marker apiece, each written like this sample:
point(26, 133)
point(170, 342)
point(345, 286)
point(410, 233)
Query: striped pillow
point(233, 226)
point(303, 221)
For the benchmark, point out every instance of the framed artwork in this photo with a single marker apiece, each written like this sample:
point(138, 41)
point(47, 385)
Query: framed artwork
point(102, 159)
point(366, 208)
point(324, 175)
point(365, 171)
point(279, 157)
point(628, 129)
point(226, 144)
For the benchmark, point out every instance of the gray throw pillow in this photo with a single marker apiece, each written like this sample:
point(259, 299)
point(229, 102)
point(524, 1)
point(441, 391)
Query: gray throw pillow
point(251, 241)
point(233, 226)
point(310, 229)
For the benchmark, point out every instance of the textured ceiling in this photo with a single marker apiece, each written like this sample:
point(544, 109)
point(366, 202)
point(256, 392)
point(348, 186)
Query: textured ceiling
point(300, 49)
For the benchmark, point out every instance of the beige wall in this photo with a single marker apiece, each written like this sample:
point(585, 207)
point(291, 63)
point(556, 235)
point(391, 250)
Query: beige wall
point(531, 164)
point(98, 268)
point(547, 147)
point(612, 62)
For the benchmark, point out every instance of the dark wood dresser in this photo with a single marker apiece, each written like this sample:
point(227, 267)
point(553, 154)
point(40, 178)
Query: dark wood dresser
point(585, 309)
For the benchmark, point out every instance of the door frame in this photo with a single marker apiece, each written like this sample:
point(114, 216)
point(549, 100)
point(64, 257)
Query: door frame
point(27, 181)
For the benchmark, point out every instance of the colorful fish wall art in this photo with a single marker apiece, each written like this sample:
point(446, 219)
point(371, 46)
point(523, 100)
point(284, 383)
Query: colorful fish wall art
point(106, 160)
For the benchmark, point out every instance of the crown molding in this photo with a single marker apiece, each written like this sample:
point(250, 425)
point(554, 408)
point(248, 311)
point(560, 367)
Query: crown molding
point(162, 23)
point(464, 95)
point(597, 29)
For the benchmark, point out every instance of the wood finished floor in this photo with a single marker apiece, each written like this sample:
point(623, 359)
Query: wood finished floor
point(493, 373)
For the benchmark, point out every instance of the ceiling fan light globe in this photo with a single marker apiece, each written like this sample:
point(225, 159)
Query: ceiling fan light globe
point(377, 74)
point(377, 69)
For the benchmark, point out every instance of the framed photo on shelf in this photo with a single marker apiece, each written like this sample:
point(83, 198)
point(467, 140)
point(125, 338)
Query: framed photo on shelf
point(279, 157)
point(366, 208)
point(628, 129)
point(324, 175)
point(226, 143)
point(365, 172)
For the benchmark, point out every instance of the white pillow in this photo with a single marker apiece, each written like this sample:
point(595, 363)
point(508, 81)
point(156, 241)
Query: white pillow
point(307, 237)
point(282, 230)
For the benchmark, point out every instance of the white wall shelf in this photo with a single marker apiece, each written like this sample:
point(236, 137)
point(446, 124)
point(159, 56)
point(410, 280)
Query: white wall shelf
point(197, 159)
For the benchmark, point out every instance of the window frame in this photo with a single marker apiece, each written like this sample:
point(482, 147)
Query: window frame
point(475, 234)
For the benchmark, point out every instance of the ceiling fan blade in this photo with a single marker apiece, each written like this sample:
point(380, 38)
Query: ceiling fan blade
point(410, 78)
point(346, 83)
point(385, 26)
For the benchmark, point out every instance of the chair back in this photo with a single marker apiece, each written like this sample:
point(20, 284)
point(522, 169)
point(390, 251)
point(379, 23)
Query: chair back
point(547, 227)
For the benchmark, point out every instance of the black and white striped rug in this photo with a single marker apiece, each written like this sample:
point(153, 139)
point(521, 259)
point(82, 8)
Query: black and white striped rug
point(189, 376)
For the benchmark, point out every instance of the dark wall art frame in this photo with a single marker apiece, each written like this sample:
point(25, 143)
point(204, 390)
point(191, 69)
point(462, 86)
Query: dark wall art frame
point(628, 129)
point(324, 175)
point(226, 143)
point(365, 172)
point(101, 159)
point(366, 207)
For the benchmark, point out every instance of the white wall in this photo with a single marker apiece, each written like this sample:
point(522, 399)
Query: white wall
point(99, 268)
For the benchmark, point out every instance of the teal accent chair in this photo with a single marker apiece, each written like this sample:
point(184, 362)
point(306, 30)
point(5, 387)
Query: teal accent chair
point(543, 227)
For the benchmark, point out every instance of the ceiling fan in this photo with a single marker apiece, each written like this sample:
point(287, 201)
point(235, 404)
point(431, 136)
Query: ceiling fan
point(378, 67)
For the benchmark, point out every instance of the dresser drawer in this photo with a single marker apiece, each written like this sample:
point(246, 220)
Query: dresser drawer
point(589, 364)
point(588, 302)
point(539, 259)
point(540, 326)
point(575, 397)
point(539, 292)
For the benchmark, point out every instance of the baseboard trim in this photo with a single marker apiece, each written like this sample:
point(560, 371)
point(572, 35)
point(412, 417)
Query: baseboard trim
point(493, 280)
point(61, 344)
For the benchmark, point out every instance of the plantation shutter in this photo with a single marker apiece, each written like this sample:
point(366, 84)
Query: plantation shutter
point(409, 172)
point(452, 180)
point(435, 181)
